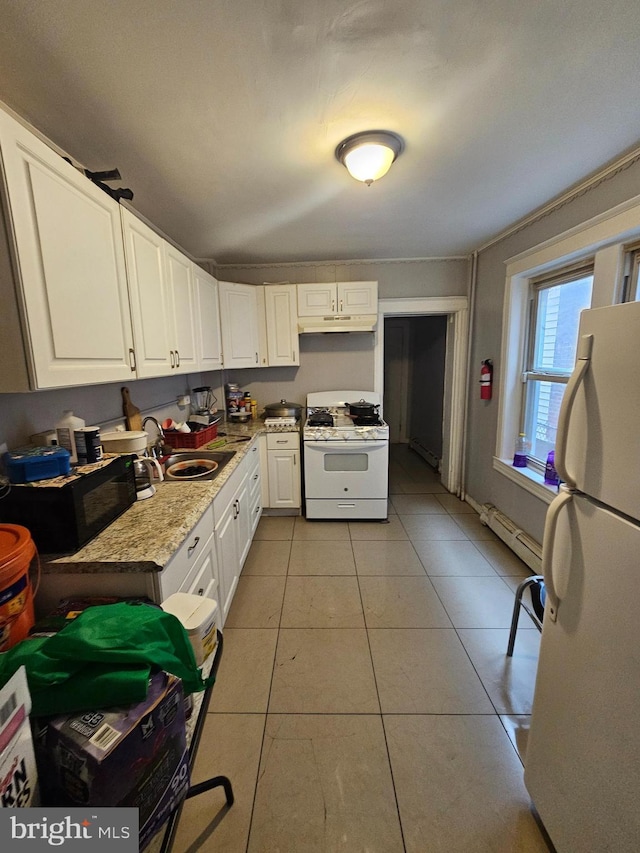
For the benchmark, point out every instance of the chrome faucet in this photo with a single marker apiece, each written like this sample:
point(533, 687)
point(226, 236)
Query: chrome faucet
point(157, 449)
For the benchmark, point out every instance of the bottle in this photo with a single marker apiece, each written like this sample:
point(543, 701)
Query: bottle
point(520, 452)
point(254, 409)
point(246, 402)
point(64, 433)
point(550, 474)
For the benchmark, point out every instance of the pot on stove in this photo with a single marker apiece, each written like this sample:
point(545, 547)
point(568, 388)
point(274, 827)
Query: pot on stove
point(362, 409)
point(283, 409)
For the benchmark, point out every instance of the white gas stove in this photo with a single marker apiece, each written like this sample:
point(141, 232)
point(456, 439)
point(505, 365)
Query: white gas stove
point(346, 459)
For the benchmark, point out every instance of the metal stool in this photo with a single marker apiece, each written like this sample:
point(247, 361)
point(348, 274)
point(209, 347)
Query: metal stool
point(538, 595)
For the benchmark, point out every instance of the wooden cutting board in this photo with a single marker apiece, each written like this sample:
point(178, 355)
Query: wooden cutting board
point(132, 414)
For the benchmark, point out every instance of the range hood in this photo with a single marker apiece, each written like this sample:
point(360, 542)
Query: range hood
point(337, 323)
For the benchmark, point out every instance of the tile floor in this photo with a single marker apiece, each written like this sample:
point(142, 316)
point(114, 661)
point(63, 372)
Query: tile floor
point(364, 700)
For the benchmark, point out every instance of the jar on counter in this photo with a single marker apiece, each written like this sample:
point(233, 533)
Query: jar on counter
point(234, 396)
point(246, 403)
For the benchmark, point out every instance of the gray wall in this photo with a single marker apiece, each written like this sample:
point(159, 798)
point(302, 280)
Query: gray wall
point(326, 361)
point(482, 482)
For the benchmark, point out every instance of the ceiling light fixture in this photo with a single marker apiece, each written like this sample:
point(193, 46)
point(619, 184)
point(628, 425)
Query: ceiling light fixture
point(368, 156)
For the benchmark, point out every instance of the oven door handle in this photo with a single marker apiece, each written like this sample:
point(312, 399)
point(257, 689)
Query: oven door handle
point(355, 445)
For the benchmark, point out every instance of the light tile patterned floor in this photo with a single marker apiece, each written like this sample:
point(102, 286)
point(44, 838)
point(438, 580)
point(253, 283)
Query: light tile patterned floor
point(364, 701)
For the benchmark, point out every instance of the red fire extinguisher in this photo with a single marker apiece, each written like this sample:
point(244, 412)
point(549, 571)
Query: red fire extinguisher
point(486, 379)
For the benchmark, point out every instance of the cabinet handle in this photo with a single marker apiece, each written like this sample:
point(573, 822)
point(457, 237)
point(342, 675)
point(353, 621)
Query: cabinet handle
point(293, 355)
point(236, 511)
point(195, 545)
point(333, 306)
point(132, 359)
point(177, 359)
point(281, 441)
point(201, 591)
point(255, 476)
point(172, 359)
point(341, 306)
point(258, 508)
point(294, 460)
point(253, 450)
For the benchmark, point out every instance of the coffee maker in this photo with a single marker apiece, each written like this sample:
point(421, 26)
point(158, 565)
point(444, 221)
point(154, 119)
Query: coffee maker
point(203, 411)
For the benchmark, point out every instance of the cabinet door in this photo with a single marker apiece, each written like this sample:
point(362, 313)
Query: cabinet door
point(282, 326)
point(316, 300)
point(70, 263)
point(357, 297)
point(205, 582)
point(149, 297)
point(284, 478)
point(209, 340)
point(243, 522)
point(182, 310)
point(239, 322)
point(228, 563)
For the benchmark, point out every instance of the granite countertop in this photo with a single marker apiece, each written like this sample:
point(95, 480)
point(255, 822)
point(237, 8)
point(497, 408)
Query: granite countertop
point(146, 536)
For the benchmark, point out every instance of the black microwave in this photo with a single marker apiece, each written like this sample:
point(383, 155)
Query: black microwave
point(63, 517)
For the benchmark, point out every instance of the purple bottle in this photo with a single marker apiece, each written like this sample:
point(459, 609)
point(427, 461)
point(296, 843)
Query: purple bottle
point(550, 474)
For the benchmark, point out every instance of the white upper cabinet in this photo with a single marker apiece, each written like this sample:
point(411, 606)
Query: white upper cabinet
point(162, 296)
point(149, 297)
point(281, 312)
point(341, 297)
point(208, 336)
point(182, 310)
point(70, 293)
point(239, 323)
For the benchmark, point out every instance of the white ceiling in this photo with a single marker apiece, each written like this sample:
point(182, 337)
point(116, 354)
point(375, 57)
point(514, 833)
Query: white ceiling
point(223, 115)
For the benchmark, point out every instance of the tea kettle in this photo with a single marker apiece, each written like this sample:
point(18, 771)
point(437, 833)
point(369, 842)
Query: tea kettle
point(146, 470)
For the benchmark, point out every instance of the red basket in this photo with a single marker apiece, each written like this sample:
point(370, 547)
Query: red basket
point(190, 440)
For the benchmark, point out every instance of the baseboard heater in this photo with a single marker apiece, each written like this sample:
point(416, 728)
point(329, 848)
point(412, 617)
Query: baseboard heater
point(529, 551)
point(429, 457)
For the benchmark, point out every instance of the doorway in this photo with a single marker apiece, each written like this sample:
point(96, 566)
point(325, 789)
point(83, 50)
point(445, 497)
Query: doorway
point(452, 311)
point(414, 377)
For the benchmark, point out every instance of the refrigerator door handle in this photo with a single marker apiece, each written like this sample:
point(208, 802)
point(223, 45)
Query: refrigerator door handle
point(583, 361)
point(551, 523)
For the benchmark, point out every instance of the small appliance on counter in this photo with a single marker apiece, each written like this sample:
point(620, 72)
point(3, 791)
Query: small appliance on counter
point(146, 470)
point(204, 412)
point(63, 513)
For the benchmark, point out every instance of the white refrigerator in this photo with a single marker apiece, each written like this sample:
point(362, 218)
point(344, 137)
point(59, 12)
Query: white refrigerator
point(582, 765)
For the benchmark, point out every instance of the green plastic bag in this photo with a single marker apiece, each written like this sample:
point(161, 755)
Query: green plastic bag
point(102, 658)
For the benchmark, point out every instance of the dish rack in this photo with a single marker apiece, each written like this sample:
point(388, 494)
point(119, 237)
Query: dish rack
point(190, 440)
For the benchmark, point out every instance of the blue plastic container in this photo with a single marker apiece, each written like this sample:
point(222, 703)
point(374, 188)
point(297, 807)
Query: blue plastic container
point(28, 464)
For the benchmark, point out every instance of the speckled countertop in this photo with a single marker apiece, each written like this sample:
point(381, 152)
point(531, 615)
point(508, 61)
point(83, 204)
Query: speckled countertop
point(146, 536)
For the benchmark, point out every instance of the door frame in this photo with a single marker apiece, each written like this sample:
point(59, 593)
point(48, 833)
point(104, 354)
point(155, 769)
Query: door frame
point(457, 310)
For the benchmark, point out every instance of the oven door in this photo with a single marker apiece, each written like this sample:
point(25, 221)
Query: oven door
point(346, 469)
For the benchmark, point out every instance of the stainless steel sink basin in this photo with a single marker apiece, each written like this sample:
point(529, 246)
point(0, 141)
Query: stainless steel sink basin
point(192, 466)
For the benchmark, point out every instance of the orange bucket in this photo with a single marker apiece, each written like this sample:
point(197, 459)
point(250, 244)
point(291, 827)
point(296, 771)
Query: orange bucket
point(17, 551)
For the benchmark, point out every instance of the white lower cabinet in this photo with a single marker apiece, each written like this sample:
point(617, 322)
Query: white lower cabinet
point(235, 511)
point(283, 466)
point(194, 565)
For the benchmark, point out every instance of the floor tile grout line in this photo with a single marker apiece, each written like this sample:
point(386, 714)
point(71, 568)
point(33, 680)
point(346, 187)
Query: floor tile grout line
point(266, 713)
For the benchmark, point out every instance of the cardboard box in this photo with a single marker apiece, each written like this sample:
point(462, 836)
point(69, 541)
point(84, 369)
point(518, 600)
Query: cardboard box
point(135, 756)
point(18, 773)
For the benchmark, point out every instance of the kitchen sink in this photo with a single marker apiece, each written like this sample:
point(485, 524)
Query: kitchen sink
point(193, 466)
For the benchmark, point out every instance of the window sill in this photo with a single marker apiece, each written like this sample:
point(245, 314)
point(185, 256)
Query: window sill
point(528, 479)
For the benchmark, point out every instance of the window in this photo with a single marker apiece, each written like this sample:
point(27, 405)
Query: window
point(554, 316)
point(632, 277)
